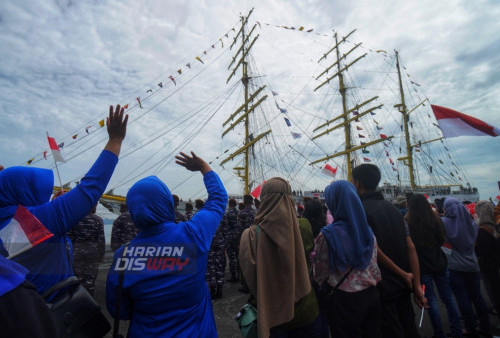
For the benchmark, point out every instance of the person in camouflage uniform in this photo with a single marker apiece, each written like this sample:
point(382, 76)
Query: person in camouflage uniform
point(179, 217)
point(123, 230)
point(246, 218)
point(231, 227)
point(217, 262)
point(89, 244)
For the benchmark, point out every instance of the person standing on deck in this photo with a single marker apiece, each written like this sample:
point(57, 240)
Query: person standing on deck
point(232, 226)
point(246, 218)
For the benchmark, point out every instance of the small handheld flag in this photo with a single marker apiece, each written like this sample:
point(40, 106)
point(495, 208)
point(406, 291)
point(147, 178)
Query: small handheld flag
point(329, 170)
point(23, 232)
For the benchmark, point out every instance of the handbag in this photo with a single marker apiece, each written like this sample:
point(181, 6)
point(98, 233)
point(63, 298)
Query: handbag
point(74, 310)
point(247, 321)
point(325, 292)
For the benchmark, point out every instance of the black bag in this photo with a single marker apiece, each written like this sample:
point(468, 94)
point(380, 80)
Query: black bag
point(75, 312)
point(326, 293)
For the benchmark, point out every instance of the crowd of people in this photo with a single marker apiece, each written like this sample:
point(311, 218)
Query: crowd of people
point(347, 266)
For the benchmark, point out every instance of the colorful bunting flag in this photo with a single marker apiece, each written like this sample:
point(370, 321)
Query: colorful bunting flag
point(372, 113)
point(61, 145)
point(30, 160)
point(101, 123)
point(45, 154)
point(359, 128)
point(173, 80)
point(390, 161)
point(222, 43)
point(188, 65)
point(139, 100)
point(23, 232)
point(88, 127)
point(375, 121)
point(205, 52)
point(149, 91)
point(288, 123)
point(362, 143)
point(366, 159)
point(74, 136)
point(274, 93)
point(379, 128)
point(310, 30)
point(361, 136)
point(383, 136)
point(125, 106)
point(355, 113)
point(364, 151)
point(394, 169)
point(386, 153)
point(296, 135)
point(283, 110)
point(179, 71)
point(160, 84)
point(199, 59)
point(301, 28)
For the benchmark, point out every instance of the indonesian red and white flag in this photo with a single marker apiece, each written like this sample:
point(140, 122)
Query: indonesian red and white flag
point(453, 124)
point(23, 232)
point(55, 149)
point(329, 170)
point(256, 192)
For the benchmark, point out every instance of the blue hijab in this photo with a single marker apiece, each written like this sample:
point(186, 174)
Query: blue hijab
point(150, 203)
point(461, 230)
point(350, 239)
point(28, 187)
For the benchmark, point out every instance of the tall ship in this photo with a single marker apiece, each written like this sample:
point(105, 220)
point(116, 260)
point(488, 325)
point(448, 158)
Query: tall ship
point(360, 106)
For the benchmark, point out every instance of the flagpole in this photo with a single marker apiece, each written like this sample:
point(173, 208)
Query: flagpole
point(57, 168)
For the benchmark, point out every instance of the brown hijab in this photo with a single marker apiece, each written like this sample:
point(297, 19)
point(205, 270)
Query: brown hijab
point(274, 265)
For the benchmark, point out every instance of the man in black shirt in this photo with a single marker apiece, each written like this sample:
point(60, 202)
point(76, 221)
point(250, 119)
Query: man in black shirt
point(396, 256)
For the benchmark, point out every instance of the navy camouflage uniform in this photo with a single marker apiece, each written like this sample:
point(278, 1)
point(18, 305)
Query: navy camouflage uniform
point(89, 244)
point(233, 230)
point(179, 217)
point(246, 218)
point(123, 230)
point(217, 262)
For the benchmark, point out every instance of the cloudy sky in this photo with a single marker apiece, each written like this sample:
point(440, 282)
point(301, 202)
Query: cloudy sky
point(62, 63)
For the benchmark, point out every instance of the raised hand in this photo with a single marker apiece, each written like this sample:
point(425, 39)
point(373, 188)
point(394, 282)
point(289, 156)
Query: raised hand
point(117, 128)
point(192, 163)
point(116, 124)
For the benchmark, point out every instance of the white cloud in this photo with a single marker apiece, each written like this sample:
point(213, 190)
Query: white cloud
point(63, 63)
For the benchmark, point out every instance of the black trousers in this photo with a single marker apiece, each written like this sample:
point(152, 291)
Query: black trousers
point(398, 317)
point(353, 314)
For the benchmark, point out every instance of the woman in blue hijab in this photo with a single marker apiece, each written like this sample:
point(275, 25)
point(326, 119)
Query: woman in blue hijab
point(50, 262)
point(345, 262)
point(163, 291)
point(461, 232)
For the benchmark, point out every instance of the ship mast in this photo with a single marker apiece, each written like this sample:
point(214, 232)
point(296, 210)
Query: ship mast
point(408, 159)
point(349, 147)
point(244, 111)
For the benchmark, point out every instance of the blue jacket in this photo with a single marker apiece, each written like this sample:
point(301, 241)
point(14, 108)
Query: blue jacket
point(50, 262)
point(164, 290)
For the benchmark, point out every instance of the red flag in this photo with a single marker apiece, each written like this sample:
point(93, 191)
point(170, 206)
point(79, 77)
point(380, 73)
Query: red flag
point(23, 232)
point(173, 80)
point(125, 106)
point(366, 159)
point(453, 124)
point(329, 170)
point(383, 136)
point(75, 136)
point(55, 149)
point(256, 192)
